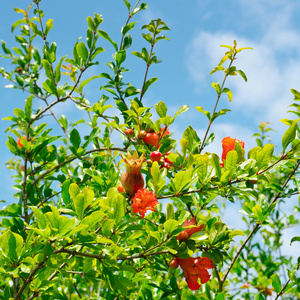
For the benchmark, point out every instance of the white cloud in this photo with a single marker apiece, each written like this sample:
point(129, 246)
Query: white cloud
point(272, 68)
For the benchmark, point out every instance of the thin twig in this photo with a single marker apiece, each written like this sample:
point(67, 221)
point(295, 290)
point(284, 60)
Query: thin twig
point(217, 102)
point(277, 196)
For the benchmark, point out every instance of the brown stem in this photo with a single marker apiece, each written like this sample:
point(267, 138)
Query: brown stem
point(73, 158)
point(147, 69)
point(217, 102)
point(129, 17)
point(254, 230)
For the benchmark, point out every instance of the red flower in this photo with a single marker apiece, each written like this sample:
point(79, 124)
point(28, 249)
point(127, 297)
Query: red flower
point(194, 268)
point(143, 200)
point(228, 144)
point(19, 141)
point(188, 232)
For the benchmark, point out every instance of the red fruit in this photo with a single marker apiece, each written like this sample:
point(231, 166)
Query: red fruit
point(174, 263)
point(142, 134)
point(155, 156)
point(149, 162)
point(129, 132)
point(166, 165)
point(120, 189)
point(20, 70)
point(151, 138)
point(19, 141)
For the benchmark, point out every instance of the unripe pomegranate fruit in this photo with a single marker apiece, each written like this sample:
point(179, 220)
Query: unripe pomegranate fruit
point(155, 156)
point(129, 132)
point(151, 138)
point(132, 180)
point(174, 263)
point(142, 134)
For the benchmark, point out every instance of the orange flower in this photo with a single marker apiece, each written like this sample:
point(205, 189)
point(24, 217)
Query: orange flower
point(194, 268)
point(228, 144)
point(188, 232)
point(143, 200)
point(132, 180)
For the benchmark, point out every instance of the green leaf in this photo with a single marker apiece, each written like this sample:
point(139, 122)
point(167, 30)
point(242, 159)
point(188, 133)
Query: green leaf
point(257, 211)
point(217, 229)
point(141, 7)
point(74, 190)
point(49, 86)
point(161, 109)
point(91, 23)
point(295, 239)
point(231, 160)
point(220, 296)
point(148, 83)
point(292, 275)
point(127, 3)
point(82, 51)
point(57, 69)
point(119, 57)
point(181, 109)
point(170, 226)
point(170, 211)
point(259, 296)
point(147, 37)
point(93, 218)
point(107, 227)
point(119, 208)
point(65, 191)
point(296, 94)
point(11, 243)
point(240, 72)
point(85, 82)
point(215, 161)
point(289, 135)
point(221, 112)
point(48, 69)
point(182, 180)
point(75, 138)
point(79, 205)
point(16, 24)
point(49, 25)
point(127, 27)
point(264, 156)
point(276, 283)
point(206, 112)
point(228, 92)
point(217, 87)
point(28, 107)
point(106, 36)
point(202, 163)
point(218, 68)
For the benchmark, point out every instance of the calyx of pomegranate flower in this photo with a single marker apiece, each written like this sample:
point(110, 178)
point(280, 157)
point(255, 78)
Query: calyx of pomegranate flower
point(132, 180)
point(144, 200)
point(195, 268)
point(184, 235)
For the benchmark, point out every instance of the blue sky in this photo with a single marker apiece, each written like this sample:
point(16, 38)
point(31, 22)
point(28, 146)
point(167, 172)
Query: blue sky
point(198, 28)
